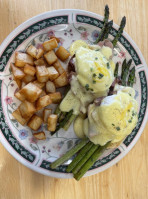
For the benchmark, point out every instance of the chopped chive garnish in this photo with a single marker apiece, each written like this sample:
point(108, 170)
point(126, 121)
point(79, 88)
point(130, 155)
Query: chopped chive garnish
point(118, 128)
point(91, 89)
point(94, 81)
point(100, 75)
point(97, 50)
point(108, 66)
point(96, 58)
point(113, 125)
point(94, 74)
point(87, 87)
point(130, 121)
point(91, 69)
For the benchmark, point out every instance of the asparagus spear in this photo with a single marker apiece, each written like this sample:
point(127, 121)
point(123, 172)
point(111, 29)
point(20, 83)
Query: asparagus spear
point(80, 155)
point(106, 16)
point(131, 78)
point(91, 161)
point(116, 70)
point(68, 123)
point(120, 31)
point(85, 158)
point(123, 67)
point(62, 116)
point(125, 72)
point(57, 111)
point(69, 154)
point(108, 28)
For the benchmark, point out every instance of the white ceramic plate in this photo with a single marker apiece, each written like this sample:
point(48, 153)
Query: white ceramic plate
point(69, 25)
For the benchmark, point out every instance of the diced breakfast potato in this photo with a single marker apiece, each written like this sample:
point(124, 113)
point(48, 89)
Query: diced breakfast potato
point(42, 73)
point(50, 45)
point(55, 97)
point(29, 70)
point(40, 135)
point(62, 53)
point(53, 73)
point(18, 82)
point(50, 87)
point(35, 122)
point(27, 109)
point(19, 96)
point(22, 58)
point(52, 122)
point(17, 115)
point(39, 84)
point(43, 93)
point(28, 78)
point(43, 101)
point(46, 113)
point(17, 73)
point(39, 62)
point(50, 57)
point(31, 92)
point(58, 40)
point(34, 52)
point(59, 67)
point(61, 80)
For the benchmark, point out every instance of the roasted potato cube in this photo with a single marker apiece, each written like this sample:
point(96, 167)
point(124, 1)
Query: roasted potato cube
point(31, 92)
point(62, 53)
point(61, 80)
point(17, 115)
point(39, 84)
point(59, 67)
point(19, 96)
point(50, 87)
point(52, 122)
point(55, 97)
point(28, 78)
point(17, 73)
point(27, 109)
point(29, 70)
point(40, 135)
point(43, 101)
point(58, 40)
point(18, 82)
point(50, 57)
point(43, 93)
point(39, 62)
point(46, 113)
point(22, 58)
point(50, 45)
point(53, 73)
point(42, 73)
point(35, 122)
point(34, 52)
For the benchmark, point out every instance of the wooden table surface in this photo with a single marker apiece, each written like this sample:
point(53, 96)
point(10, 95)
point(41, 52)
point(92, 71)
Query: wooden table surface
point(126, 180)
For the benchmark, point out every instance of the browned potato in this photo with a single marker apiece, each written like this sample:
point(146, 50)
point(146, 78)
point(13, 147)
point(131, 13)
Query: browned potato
point(39, 84)
point(29, 70)
point(62, 53)
point(34, 52)
point(50, 87)
point(27, 109)
point(55, 97)
point(18, 82)
point(40, 135)
point(50, 45)
point(42, 73)
point(43, 101)
point(17, 73)
point(43, 93)
point(28, 78)
point(17, 115)
point(46, 113)
point(61, 80)
point(35, 122)
point(19, 96)
point(39, 62)
point(52, 122)
point(31, 92)
point(58, 40)
point(59, 67)
point(22, 58)
point(53, 73)
point(50, 57)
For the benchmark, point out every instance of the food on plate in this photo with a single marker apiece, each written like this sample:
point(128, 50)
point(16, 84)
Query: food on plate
point(62, 53)
point(35, 122)
point(52, 122)
point(40, 135)
point(22, 58)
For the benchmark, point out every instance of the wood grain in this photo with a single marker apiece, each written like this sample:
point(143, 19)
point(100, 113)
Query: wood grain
point(126, 180)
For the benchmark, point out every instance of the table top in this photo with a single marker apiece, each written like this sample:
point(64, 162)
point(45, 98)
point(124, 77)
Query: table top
point(126, 179)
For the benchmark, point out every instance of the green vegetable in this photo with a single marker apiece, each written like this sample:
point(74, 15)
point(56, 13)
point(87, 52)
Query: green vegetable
point(131, 78)
point(62, 116)
point(68, 123)
point(69, 154)
point(91, 161)
point(85, 158)
point(108, 29)
point(57, 111)
point(116, 70)
point(80, 155)
point(123, 67)
point(125, 72)
point(120, 31)
point(105, 21)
